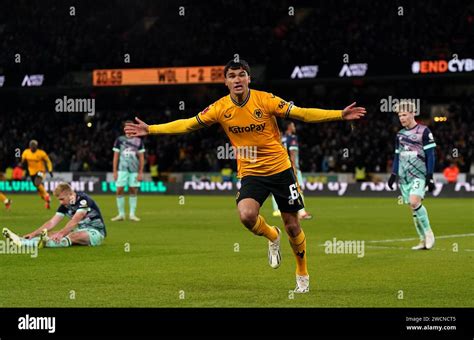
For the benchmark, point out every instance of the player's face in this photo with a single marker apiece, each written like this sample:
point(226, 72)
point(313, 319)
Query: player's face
point(237, 81)
point(406, 118)
point(33, 147)
point(66, 198)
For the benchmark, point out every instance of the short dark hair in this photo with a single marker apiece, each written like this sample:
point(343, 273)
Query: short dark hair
point(235, 65)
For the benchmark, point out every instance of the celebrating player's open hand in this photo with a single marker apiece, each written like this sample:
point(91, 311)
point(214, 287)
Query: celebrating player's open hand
point(136, 130)
point(352, 112)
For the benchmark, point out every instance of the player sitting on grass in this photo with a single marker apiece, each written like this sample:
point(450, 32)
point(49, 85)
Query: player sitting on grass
point(414, 165)
point(248, 117)
point(85, 228)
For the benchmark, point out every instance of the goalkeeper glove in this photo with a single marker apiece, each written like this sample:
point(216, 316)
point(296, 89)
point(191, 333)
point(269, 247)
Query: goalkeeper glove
point(392, 180)
point(430, 182)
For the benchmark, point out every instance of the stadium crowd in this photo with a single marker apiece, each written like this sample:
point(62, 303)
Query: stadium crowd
point(60, 38)
point(332, 147)
point(82, 35)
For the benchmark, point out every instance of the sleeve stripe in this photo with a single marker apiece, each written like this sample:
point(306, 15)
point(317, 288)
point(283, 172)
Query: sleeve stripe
point(59, 213)
point(116, 150)
point(201, 122)
point(287, 113)
point(429, 146)
point(293, 148)
point(396, 151)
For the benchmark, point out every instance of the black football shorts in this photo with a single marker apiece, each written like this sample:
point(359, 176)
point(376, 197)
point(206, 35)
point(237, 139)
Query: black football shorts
point(282, 185)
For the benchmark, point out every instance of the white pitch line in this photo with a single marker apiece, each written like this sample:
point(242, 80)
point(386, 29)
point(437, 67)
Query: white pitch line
point(401, 248)
point(416, 238)
point(405, 248)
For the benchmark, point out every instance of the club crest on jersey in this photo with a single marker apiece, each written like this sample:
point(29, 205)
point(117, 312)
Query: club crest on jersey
point(413, 137)
point(258, 113)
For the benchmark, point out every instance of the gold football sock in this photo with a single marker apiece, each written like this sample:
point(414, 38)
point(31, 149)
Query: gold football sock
point(261, 228)
point(298, 244)
point(43, 194)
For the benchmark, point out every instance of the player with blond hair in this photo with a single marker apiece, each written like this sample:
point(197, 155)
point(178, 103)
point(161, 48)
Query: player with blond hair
point(413, 165)
point(86, 226)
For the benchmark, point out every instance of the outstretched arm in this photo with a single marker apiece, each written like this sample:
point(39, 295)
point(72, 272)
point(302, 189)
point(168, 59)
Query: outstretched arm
point(176, 127)
point(317, 115)
point(78, 216)
point(48, 225)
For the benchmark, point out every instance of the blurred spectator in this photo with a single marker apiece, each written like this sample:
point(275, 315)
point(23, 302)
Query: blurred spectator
point(143, 29)
point(75, 164)
point(152, 163)
point(360, 174)
point(9, 173)
point(17, 173)
point(451, 173)
point(226, 173)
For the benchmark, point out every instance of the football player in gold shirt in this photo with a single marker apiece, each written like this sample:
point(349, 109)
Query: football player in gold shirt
point(248, 118)
point(37, 162)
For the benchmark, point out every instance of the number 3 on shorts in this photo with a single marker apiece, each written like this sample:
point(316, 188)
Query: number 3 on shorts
point(293, 191)
point(416, 184)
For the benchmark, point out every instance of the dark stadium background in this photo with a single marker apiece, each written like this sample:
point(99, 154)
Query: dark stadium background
point(67, 48)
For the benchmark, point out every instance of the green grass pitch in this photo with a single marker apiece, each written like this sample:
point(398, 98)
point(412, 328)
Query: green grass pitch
point(199, 255)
